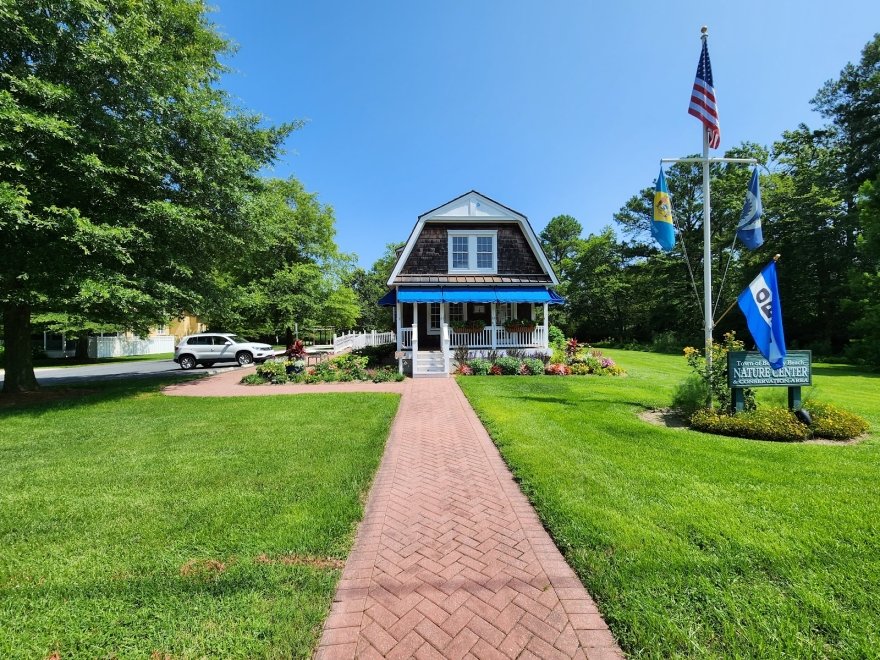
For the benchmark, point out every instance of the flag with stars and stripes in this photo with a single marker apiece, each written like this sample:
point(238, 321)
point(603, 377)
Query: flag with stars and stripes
point(703, 105)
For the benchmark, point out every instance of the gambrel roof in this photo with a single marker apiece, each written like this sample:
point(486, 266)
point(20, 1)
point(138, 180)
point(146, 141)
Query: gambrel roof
point(475, 210)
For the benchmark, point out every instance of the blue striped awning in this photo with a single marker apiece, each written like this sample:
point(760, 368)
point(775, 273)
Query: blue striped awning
point(417, 294)
point(471, 294)
point(466, 294)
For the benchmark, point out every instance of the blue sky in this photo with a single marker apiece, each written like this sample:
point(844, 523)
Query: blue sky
point(549, 107)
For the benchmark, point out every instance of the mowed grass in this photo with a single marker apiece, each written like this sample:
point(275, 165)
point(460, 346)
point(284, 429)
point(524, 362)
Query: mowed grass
point(133, 523)
point(699, 545)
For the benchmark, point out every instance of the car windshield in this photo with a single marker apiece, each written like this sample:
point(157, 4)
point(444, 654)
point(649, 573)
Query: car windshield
point(238, 340)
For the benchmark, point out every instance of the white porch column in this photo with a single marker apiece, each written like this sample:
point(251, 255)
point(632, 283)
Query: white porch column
point(546, 326)
point(398, 308)
point(494, 329)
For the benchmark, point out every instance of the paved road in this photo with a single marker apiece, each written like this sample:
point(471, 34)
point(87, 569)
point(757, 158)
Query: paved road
point(115, 371)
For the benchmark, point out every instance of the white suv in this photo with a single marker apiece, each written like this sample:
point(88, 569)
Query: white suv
point(207, 348)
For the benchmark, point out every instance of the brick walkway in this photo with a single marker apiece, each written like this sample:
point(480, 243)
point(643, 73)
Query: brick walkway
point(450, 560)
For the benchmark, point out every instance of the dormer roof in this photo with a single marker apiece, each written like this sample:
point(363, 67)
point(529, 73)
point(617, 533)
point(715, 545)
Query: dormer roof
point(473, 209)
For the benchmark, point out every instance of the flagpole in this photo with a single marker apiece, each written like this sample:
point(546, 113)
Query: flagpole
point(706, 161)
point(707, 249)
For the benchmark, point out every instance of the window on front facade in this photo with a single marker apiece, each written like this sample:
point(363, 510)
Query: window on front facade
point(456, 312)
point(485, 252)
point(504, 312)
point(460, 252)
point(434, 317)
point(472, 251)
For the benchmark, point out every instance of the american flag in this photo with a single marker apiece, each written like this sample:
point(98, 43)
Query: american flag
point(703, 99)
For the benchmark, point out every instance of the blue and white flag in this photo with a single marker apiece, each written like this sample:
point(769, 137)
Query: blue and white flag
point(749, 228)
point(760, 303)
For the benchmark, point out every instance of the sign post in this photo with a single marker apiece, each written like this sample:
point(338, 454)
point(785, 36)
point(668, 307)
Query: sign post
point(751, 369)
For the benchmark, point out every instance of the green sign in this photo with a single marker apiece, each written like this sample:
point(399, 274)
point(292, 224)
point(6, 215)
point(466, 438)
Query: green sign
point(750, 369)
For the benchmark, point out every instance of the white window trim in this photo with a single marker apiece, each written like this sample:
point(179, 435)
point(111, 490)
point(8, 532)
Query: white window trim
point(432, 330)
point(464, 310)
point(472, 250)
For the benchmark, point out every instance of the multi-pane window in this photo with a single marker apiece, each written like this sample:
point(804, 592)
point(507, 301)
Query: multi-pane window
point(460, 252)
point(434, 317)
point(456, 312)
point(505, 312)
point(485, 252)
point(472, 251)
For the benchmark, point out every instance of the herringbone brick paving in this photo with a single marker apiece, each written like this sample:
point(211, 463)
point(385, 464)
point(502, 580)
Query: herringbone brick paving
point(450, 560)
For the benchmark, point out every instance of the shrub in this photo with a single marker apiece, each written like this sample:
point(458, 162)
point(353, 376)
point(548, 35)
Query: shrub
point(495, 370)
point(558, 356)
point(464, 370)
point(719, 388)
point(254, 379)
point(509, 365)
point(460, 356)
point(572, 346)
point(557, 369)
point(556, 337)
point(690, 395)
point(518, 353)
point(273, 371)
point(533, 366)
point(376, 355)
point(480, 366)
point(387, 375)
point(834, 423)
point(769, 423)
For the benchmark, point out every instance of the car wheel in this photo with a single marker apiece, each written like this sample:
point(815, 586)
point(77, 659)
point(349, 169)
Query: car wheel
point(244, 358)
point(187, 362)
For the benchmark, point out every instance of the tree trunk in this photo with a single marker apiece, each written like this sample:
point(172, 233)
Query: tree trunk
point(288, 337)
point(18, 354)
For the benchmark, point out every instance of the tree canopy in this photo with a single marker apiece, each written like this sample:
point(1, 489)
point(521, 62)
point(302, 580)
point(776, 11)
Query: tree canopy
point(124, 170)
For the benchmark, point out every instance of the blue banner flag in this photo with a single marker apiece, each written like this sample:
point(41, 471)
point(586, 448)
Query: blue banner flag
point(662, 228)
point(749, 228)
point(760, 303)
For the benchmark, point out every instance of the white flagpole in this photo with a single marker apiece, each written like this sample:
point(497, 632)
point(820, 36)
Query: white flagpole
point(707, 254)
point(708, 321)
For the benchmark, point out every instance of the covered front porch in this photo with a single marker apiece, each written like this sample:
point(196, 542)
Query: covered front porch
point(432, 322)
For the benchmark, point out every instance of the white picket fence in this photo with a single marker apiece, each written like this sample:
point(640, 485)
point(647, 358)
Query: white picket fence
point(107, 347)
point(355, 340)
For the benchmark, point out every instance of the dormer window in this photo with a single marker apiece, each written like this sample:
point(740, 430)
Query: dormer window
point(473, 251)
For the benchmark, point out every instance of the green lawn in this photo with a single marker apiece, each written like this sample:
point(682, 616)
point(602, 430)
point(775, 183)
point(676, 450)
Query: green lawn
point(700, 545)
point(117, 511)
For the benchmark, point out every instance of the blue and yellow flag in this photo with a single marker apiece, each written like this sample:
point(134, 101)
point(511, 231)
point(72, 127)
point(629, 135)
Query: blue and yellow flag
point(662, 228)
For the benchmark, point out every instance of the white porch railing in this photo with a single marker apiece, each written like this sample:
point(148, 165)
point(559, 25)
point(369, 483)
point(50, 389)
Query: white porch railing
point(479, 339)
point(535, 338)
point(404, 338)
point(355, 340)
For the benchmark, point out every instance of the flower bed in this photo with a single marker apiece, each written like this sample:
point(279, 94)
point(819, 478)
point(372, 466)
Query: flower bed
point(577, 360)
point(756, 422)
point(340, 369)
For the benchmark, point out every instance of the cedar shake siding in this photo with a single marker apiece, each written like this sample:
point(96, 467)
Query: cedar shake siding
point(430, 254)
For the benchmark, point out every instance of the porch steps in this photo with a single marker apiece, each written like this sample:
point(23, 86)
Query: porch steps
point(429, 364)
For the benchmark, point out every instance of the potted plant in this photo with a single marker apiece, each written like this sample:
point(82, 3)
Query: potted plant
point(519, 325)
point(474, 325)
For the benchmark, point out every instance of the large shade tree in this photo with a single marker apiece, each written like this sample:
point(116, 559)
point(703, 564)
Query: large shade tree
point(123, 168)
